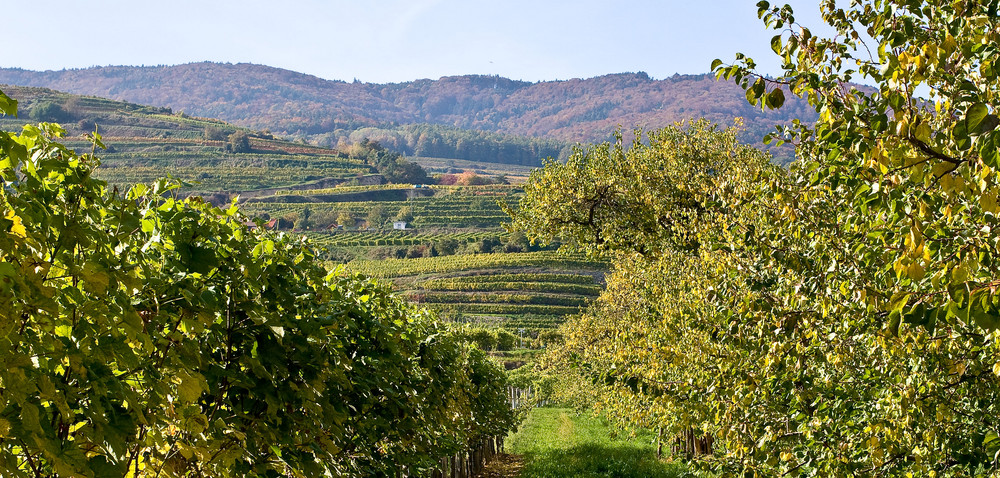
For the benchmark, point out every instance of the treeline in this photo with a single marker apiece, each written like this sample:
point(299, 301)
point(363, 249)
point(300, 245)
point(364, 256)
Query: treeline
point(437, 141)
point(143, 335)
point(294, 104)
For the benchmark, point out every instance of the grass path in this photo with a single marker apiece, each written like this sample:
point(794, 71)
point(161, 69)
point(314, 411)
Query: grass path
point(556, 443)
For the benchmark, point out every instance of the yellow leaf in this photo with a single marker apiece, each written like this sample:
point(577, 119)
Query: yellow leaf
point(915, 271)
point(924, 132)
point(191, 386)
point(959, 274)
point(949, 44)
point(947, 183)
point(988, 202)
point(95, 277)
point(904, 60)
point(17, 228)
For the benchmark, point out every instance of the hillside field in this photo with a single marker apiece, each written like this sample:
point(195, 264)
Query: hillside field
point(454, 255)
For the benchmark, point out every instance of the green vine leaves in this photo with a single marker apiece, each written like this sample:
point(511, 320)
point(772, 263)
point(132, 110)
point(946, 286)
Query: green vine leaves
point(143, 335)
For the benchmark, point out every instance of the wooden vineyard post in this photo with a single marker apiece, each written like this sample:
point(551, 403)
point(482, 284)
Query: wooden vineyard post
point(691, 444)
point(659, 443)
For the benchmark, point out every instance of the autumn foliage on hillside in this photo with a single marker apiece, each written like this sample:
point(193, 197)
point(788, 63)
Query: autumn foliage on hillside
point(576, 110)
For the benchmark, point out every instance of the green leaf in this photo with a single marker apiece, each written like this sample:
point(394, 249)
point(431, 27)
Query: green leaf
point(975, 117)
point(716, 63)
point(775, 98)
point(762, 6)
point(894, 319)
point(989, 152)
point(8, 105)
point(95, 277)
point(984, 318)
point(754, 92)
point(960, 134)
point(989, 123)
point(898, 301)
point(191, 386)
point(776, 44)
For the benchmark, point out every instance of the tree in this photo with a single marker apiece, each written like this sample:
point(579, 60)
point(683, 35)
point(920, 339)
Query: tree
point(405, 213)
point(345, 218)
point(842, 320)
point(445, 247)
point(304, 222)
point(48, 111)
point(213, 133)
point(880, 261)
point(377, 216)
point(663, 209)
point(239, 142)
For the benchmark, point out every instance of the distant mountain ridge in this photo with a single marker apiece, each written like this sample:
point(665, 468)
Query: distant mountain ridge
point(297, 104)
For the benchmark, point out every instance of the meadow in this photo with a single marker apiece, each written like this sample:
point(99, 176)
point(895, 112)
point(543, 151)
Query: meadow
point(561, 442)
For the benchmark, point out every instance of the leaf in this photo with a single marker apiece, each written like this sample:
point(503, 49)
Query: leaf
point(8, 105)
point(29, 417)
point(776, 44)
point(775, 98)
point(988, 201)
point(756, 91)
point(984, 318)
point(95, 277)
point(989, 152)
point(974, 118)
point(894, 320)
point(917, 315)
point(17, 228)
point(989, 123)
point(960, 134)
point(898, 301)
point(191, 387)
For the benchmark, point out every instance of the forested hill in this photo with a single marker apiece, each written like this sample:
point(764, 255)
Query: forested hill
point(288, 102)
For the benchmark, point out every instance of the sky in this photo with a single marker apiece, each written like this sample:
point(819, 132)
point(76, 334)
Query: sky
point(388, 41)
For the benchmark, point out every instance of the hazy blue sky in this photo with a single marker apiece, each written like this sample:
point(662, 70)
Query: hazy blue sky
point(396, 40)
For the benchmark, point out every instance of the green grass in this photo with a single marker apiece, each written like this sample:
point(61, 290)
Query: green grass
point(557, 442)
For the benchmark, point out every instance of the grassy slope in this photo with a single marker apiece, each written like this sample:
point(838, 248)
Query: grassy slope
point(556, 442)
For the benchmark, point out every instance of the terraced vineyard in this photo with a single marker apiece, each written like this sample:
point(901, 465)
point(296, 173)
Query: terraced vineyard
point(453, 256)
point(146, 143)
point(532, 291)
point(431, 206)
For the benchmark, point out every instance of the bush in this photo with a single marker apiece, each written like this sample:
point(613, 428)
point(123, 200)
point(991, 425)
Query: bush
point(48, 111)
point(86, 124)
point(239, 142)
point(214, 134)
point(506, 340)
point(484, 338)
point(445, 247)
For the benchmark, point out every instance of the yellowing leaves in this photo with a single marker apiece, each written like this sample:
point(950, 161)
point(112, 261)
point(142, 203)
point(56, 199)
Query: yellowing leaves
point(915, 271)
point(95, 277)
point(191, 386)
point(988, 201)
point(17, 228)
